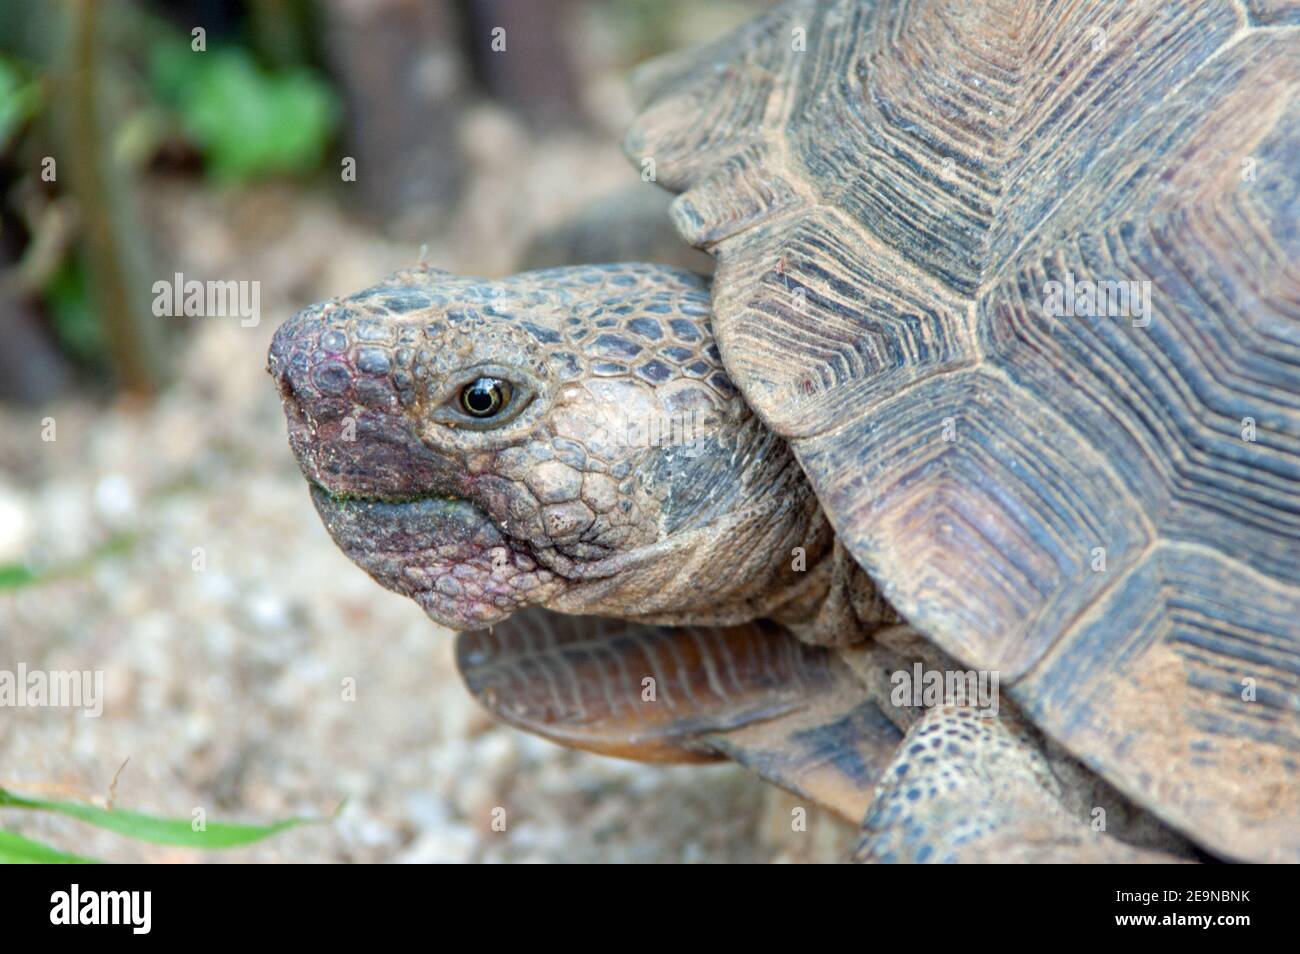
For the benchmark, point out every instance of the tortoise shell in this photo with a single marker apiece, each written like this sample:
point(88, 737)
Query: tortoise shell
point(1020, 282)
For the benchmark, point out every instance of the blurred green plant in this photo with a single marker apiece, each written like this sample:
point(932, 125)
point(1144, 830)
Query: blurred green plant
point(641, 26)
point(20, 97)
point(646, 28)
point(14, 575)
point(248, 122)
point(15, 849)
point(67, 296)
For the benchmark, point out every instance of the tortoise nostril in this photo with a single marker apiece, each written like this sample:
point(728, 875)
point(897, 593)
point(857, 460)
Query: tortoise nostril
point(283, 384)
point(277, 366)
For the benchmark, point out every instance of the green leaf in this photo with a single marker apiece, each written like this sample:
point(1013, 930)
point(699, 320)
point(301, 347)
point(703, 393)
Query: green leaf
point(67, 296)
point(19, 99)
point(14, 575)
point(17, 850)
point(247, 121)
point(160, 831)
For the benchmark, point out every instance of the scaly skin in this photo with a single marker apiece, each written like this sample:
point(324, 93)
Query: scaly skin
point(626, 478)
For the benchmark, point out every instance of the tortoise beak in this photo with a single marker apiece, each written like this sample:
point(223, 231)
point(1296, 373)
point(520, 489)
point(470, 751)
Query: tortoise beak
point(445, 554)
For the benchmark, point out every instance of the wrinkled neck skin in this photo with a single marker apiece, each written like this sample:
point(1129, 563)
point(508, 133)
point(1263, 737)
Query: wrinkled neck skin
point(623, 475)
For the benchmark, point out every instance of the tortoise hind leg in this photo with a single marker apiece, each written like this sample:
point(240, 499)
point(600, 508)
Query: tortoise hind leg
point(968, 789)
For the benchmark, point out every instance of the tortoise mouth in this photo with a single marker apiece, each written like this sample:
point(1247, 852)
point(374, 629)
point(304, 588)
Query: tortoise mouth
point(444, 553)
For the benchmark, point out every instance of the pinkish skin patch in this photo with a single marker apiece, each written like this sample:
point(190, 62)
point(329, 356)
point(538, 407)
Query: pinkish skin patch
point(445, 554)
point(467, 590)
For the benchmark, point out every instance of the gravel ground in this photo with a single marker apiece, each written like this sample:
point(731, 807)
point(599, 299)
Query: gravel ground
point(178, 552)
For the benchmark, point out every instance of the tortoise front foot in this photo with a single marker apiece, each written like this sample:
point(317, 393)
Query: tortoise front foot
point(963, 788)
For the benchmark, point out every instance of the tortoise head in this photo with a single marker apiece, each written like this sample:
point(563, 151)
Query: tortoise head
point(566, 438)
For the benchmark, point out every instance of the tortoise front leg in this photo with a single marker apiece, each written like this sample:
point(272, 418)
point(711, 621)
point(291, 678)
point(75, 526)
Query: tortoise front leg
point(795, 714)
point(972, 789)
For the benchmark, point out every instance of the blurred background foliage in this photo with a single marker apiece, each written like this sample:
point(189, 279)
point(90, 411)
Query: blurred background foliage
point(100, 99)
point(244, 120)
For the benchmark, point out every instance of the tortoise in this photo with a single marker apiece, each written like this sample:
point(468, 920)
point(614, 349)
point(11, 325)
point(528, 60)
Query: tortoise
point(965, 500)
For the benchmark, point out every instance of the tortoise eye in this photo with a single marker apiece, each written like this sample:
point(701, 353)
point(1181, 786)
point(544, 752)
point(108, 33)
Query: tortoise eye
point(484, 397)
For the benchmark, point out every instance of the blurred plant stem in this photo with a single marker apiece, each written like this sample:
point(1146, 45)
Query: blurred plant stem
point(536, 79)
point(115, 246)
point(403, 76)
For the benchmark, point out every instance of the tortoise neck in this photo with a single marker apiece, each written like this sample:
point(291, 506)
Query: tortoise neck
point(847, 606)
